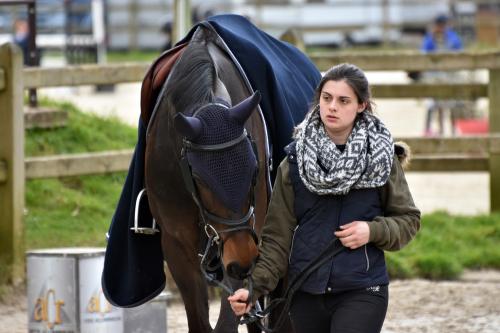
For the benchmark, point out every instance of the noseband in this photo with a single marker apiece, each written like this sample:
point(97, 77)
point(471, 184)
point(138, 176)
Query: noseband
point(239, 224)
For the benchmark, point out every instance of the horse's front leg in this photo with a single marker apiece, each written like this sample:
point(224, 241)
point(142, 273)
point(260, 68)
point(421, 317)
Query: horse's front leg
point(227, 322)
point(183, 263)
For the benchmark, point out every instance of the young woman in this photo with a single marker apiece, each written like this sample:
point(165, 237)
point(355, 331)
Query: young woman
point(341, 177)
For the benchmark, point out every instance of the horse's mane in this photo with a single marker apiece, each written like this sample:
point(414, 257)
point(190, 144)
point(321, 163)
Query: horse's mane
point(192, 79)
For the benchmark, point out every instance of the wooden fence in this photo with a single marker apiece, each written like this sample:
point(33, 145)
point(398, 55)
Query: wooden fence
point(11, 164)
point(430, 154)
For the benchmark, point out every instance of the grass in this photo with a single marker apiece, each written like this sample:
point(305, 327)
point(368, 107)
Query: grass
point(447, 244)
point(83, 133)
point(76, 211)
point(118, 56)
point(132, 56)
point(70, 211)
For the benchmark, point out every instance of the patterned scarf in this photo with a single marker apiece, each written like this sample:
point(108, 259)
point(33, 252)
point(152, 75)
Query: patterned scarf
point(366, 161)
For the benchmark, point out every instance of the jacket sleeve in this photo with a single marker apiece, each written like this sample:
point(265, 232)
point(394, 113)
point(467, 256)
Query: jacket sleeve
point(427, 44)
point(454, 42)
point(401, 219)
point(276, 237)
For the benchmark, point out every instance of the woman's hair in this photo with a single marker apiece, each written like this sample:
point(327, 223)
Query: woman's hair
point(351, 75)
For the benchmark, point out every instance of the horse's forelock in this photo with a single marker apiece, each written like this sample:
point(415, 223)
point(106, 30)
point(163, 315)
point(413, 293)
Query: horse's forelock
point(191, 86)
point(192, 80)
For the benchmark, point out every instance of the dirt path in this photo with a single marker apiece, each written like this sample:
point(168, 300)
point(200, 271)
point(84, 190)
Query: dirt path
point(469, 305)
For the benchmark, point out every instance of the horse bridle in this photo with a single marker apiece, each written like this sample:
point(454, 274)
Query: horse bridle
point(242, 223)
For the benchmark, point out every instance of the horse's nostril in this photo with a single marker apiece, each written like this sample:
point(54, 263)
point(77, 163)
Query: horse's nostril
point(235, 271)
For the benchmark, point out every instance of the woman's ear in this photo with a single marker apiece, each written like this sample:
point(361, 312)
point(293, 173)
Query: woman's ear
point(362, 107)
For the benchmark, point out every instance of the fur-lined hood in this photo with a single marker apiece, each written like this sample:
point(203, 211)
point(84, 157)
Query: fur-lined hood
point(403, 152)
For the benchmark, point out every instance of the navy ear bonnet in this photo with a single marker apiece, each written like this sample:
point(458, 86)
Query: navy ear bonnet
point(227, 173)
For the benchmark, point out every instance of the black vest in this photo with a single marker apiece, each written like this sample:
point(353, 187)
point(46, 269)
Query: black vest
point(318, 217)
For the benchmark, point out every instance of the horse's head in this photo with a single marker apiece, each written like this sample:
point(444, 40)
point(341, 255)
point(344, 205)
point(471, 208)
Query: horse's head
point(220, 173)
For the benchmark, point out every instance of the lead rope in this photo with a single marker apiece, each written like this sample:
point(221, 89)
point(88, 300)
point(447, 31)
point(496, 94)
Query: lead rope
point(255, 314)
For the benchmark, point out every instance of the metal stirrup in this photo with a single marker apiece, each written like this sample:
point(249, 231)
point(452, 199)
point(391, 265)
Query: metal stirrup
point(136, 228)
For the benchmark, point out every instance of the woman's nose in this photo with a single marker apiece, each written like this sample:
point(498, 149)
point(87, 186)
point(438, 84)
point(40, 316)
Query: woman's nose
point(332, 106)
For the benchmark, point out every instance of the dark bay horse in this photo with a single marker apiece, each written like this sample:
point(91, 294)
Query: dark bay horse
point(202, 118)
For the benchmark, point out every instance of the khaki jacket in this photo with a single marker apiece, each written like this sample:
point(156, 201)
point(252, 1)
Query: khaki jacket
point(390, 232)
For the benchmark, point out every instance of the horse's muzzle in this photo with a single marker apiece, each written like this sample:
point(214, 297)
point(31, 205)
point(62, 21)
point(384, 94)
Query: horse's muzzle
point(235, 271)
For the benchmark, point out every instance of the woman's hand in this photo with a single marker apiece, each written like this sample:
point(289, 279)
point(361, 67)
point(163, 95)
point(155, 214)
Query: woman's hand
point(238, 302)
point(354, 234)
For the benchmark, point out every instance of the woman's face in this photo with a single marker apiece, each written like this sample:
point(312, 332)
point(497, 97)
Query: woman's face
point(338, 107)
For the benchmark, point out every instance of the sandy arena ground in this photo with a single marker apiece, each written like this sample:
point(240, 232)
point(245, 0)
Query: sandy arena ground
point(469, 305)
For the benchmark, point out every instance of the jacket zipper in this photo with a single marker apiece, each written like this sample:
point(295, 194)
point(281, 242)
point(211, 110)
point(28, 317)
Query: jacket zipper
point(291, 246)
point(338, 226)
point(367, 259)
point(340, 209)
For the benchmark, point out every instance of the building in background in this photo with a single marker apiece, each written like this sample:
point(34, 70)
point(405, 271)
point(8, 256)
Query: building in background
point(137, 24)
point(335, 23)
point(76, 27)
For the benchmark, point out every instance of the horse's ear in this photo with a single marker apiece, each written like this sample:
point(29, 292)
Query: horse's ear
point(190, 127)
point(243, 110)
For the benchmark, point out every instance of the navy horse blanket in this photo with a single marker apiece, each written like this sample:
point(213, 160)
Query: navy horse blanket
point(133, 267)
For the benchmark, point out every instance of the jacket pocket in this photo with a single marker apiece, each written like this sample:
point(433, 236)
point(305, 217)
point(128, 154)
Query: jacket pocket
point(351, 262)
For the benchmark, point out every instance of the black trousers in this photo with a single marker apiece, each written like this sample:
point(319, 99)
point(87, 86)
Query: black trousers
point(356, 311)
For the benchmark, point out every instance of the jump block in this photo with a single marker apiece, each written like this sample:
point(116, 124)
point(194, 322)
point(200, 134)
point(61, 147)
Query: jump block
point(40, 117)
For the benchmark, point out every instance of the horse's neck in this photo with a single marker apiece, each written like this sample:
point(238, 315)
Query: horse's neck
point(221, 91)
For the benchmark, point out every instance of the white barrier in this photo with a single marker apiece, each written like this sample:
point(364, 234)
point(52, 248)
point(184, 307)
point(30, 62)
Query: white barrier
point(65, 295)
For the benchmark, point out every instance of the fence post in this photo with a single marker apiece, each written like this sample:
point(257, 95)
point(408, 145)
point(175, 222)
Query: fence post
point(182, 20)
point(494, 115)
point(12, 163)
point(133, 25)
